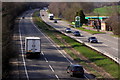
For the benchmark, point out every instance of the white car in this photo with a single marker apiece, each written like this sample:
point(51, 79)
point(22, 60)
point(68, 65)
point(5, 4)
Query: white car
point(68, 30)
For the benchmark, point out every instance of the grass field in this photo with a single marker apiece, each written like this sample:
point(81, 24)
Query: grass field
point(106, 11)
point(97, 58)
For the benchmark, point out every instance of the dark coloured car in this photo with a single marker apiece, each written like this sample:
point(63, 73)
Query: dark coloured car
point(76, 33)
point(75, 70)
point(23, 17)
point(92, 40)
point(55, 21)
point(68, 30)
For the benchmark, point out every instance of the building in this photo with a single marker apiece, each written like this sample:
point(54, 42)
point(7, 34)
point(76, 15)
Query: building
point(98, 22)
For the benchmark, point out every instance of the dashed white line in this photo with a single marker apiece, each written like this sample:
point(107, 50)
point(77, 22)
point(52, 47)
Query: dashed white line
point(23, 55)
point(107, 40)
point(42, 53)
point(46, 59)
point(59, 51)
point(51, 68)
point(111, 47)
point(51, 43)
point(57, 77)
point(86, 77)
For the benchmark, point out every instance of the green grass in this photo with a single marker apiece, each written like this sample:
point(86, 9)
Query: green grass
point(106, 11)
point(118, 36)
point(97, 58)
point(90, 31)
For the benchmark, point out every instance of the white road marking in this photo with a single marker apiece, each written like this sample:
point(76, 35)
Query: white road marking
point(111, 47)
point(51, 68)
point(23, 55)
point(42, 53)
point(58, 50)
point(97, 48)
point(46, 59)
point(107, 40)
point(86, 77)
point(51, 42)
point(57, 77)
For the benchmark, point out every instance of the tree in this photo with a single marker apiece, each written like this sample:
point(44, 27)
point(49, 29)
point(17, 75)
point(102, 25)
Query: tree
point(82, 17)
point(68, 10)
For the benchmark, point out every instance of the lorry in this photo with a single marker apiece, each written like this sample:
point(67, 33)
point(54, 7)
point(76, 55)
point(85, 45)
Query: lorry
point(50, 16)
point(32, 46)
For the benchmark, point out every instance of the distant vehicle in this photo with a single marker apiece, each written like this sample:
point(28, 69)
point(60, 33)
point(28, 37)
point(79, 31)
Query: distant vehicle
point(75, 70)
point(32, 46)
point(45, 8)
point(55, 21)
point(92, 40)
point(51, 16)
point(76, 33)
point(68, 30)
point(23, 17)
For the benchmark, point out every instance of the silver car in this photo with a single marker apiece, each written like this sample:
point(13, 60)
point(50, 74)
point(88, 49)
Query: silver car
point(92, 40)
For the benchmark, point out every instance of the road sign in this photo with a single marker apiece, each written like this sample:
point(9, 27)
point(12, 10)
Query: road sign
point(77, 21)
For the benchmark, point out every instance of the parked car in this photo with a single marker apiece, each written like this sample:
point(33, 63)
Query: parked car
point(75, 70)
point(55, 21)
point(92, 40)
point(68, 30)
point(76, 33)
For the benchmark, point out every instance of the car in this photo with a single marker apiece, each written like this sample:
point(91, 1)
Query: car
point(68, 30)
point(75, 70)
point(92, 40)
point(76, 33)
point(55, 21)
point(23, 17)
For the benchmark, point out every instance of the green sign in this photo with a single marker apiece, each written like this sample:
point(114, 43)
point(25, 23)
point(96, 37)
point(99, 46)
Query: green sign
point(77, 21)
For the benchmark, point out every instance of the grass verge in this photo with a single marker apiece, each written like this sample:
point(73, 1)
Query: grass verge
point(118, 36)
point(100, 60)
point(90, 31)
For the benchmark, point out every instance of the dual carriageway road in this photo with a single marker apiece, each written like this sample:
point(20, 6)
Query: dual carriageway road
point(52, 63)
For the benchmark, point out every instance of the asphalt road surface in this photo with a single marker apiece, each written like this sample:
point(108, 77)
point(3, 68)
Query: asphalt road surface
point(52, 62)
point(107, 45)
